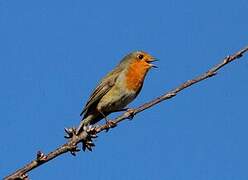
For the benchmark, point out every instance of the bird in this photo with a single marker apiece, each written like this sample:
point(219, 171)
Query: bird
point(117, 89)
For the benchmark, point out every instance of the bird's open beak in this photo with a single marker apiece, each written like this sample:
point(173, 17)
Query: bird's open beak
point(152, 60)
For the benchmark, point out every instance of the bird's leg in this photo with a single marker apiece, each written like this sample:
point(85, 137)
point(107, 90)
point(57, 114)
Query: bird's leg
point(131, 113)
point(109, 123)
point(80, 128)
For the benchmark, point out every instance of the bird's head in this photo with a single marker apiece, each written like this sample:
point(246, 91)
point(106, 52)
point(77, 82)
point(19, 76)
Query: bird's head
point(140, 58)
point(144, 58)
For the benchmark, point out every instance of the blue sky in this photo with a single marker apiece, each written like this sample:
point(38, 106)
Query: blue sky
point(53, 53)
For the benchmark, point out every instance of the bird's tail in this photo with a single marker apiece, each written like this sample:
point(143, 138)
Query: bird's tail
point(84, 122)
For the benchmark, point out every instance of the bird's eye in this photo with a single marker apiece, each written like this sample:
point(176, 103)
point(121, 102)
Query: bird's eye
point(140, 56)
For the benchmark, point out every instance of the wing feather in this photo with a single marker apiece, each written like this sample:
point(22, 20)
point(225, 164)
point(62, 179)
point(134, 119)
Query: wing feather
point(105, 85)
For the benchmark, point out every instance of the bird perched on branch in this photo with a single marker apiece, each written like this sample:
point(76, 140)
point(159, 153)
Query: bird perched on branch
point(117, 89)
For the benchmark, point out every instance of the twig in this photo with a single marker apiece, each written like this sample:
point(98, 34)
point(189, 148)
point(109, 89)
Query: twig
point(72, 144)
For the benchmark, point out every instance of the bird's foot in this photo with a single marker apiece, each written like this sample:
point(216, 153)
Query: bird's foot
point(130, 113)
point(91, 134)
point(110, 124)
point(87, 136)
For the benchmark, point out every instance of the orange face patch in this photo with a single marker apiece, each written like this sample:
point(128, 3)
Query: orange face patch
point(136, 74)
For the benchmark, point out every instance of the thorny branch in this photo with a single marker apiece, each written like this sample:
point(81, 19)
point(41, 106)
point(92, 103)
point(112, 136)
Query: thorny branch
point(87, 135)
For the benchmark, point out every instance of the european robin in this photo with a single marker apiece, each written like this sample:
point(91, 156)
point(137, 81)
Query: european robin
point(117, 89)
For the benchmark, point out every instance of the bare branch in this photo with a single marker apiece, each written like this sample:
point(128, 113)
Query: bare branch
point(87, 135)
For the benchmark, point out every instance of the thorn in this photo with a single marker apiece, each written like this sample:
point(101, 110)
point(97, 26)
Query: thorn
point(74, 149)
point(70, 132)
point(89, 148)
point(227, 59)
point(107, 128)
point(66, 130)
point(93, 136)
point(40, 156)
point(23, 177)
point(90, 143)
point(83, 146)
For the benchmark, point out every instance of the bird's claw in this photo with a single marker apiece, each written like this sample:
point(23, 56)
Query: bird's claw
point(40, 156)
point(92, 131)
point(130, 114)
point(91, 134)
point(87, 143)
point(74, 150)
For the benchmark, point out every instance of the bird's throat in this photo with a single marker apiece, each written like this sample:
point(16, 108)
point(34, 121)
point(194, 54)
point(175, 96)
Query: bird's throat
point(135, 75)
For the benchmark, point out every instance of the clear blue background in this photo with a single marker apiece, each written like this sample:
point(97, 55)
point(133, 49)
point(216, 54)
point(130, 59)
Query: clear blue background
point(53, 53)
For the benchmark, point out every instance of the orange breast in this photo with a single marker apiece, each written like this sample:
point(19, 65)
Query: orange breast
point(135, 75)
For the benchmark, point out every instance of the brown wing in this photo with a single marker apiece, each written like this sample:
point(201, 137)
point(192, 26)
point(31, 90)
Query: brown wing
point(105, 85)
